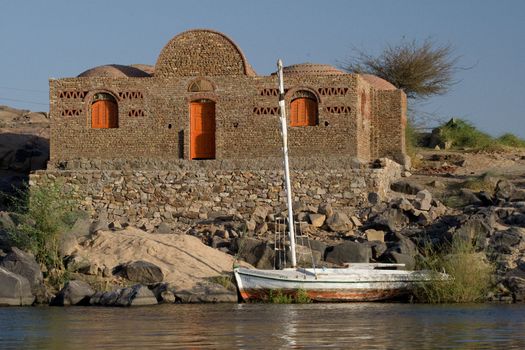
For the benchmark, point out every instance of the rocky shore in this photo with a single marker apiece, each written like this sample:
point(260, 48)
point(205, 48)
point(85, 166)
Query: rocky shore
point(110, 262)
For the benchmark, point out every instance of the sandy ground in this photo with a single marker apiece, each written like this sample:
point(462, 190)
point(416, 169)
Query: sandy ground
point(183, 259)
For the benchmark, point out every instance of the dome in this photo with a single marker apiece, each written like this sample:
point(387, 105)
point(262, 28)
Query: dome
point(377, 82)
point(144, 67)
point(115, 71)
point(201, 52)
point(312, 69)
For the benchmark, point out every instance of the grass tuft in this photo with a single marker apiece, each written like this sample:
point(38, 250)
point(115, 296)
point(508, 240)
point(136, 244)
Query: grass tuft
point(470, 274)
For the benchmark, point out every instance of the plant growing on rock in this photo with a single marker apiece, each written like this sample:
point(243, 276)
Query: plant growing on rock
point(44, 214)
point(470, 274)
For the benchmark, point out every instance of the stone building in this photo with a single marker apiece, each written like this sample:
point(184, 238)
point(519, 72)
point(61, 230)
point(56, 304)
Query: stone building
point(203, 100)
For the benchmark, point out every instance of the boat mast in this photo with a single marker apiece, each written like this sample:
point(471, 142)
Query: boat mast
point(284, 134)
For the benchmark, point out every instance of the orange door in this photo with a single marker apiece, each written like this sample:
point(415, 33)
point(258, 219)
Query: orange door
point(202, 120)
point(104, 114)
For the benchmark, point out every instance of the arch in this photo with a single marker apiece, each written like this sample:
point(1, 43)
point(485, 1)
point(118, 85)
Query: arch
point(304, 108)
point(201, 85)
point(201, 52)
point(104, 111)
point(202, 129)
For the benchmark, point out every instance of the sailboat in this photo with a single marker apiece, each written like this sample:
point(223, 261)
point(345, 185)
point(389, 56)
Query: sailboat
point(354, 282)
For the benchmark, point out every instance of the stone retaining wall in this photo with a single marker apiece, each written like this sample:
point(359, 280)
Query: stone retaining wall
point(201, 190)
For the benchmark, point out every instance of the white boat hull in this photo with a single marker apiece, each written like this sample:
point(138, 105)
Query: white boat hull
point(344, 284)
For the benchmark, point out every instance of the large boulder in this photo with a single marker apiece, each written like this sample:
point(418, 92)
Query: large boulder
point(392, 219)
point(255, 252)
point(75, 292)
point(24, 264)
point(475, 229)
point(140, 271)
point(407, 187)
point(504, 190)
point(339, 222)
point(15, 290)
point(348, 252)
point(423, 200)
point(206, 293)
point(136, 295)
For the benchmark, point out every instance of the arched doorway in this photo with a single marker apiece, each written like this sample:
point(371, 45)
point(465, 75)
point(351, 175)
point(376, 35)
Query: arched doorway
point(202, 129)
point(104, 111)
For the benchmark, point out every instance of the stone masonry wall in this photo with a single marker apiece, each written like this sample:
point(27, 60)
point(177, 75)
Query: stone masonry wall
point(146, 198)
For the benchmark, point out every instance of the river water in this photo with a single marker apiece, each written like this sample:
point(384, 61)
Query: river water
point(265, 326)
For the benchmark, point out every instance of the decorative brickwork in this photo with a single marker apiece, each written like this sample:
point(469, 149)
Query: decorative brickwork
point(128, 95)
point(338, 109)
point(71, 112)
point(72, 94)
point(332, 91)
point(357, 116)
point(266, 110)
point(136, 113)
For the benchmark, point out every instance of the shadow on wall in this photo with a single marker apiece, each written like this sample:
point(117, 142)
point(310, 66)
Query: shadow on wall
point(19, 155)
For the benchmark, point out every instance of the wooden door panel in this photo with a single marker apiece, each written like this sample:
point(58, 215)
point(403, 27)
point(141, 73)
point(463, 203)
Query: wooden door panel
point(202, 120)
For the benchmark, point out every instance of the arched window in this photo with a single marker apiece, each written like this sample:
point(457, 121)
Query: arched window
point(303, 109)
point(104, 111)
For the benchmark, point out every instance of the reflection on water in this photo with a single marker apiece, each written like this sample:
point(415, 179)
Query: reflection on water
point(246, 326)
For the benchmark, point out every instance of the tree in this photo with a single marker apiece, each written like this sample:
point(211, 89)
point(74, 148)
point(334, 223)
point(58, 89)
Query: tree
point(421, 70)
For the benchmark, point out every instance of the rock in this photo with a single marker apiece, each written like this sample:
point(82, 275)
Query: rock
point(404, 245)
point(437, 184)
point(355, 221)
point(392, 219)
point(399, 258)
point(378, 249)
point(24, 264)
point(517, 287)
point(260, 213)
point(469, 197)
point(138, 295)
point(261, 228)
point(504, 190)
point(405, 186)
point(255, 252)
point(326, 209)
point(423, 200)
point(375, 235)
point(75, 292)
point(206, 293)
point(504, 240)
point(374, 198)
point(251, 225)
point(475, 230)
point(339, 222)
point(115, 225)
point(6, 225)
point(317, 220)
point(348, 252)
point(140, 271)
point(15, 289)
point(518, 195)
point(167, 297)
point(164, 228)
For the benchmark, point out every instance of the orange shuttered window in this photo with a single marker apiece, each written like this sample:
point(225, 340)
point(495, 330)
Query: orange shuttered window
point(303, 112)
point(104, 114)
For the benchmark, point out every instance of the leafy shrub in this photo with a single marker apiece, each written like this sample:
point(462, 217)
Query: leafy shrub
point(44, 214)
point(470, 274)
point(463, 134)
point(511, 140)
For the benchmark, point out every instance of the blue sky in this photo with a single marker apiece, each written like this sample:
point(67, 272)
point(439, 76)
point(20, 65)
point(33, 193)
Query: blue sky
point(43, 39)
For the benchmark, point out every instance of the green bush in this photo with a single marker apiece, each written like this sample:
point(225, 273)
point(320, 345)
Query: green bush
point(470, 274)
point(463, 134)
point(511, 140)
point(44, 214)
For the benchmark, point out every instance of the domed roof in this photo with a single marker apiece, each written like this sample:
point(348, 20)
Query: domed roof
point(115, 71)
point(201, 52)
point(312, 69)
point(377, 82)
point(144, 67)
